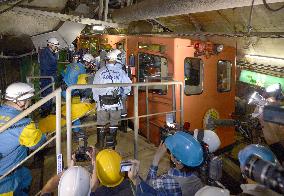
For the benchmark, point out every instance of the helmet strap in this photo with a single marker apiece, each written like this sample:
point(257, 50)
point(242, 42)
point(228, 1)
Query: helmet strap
point(200, 135)
point(22, 107)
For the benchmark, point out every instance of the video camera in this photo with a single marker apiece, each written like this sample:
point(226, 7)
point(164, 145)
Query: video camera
point(265, 173)
point(80, 154)
point(167, 131)
point(211, 169)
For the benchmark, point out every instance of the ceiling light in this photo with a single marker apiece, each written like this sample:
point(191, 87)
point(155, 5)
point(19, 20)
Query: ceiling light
point(98, 27)
point(218, 48)
point(257, 99)
point(253, 56)
point(273, 88)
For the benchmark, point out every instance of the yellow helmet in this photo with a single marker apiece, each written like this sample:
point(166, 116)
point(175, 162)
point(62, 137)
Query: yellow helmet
point(108, 168)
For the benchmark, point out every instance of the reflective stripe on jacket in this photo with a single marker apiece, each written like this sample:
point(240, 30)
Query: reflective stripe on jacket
point(16, 140)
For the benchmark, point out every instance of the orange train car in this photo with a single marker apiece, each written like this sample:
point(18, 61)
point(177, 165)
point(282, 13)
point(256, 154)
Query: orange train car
point(206, 69)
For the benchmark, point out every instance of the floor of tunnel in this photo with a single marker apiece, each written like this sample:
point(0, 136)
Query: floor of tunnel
point(43, 165)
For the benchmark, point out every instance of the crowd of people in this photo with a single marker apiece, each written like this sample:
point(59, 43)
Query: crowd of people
point(188, 152)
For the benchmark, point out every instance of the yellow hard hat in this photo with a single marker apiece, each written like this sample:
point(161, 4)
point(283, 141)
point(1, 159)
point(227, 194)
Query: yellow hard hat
point(108, 168)
point(82, 79)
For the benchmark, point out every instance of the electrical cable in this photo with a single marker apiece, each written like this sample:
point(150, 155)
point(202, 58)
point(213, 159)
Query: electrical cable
point(249, 27)
point(271, 9)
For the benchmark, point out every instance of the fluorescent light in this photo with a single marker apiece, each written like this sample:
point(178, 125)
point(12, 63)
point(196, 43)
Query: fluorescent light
point(263, 57)
point(257, 99)
point(98, 27)
point(272, 88)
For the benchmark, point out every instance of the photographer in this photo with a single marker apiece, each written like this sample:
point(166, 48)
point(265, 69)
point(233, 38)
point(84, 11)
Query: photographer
point(273, 133)
point(255, 173)
point(106, 179)
point(187, 155)
point(68, 182)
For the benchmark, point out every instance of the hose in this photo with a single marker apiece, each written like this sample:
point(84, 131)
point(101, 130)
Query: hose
point(271, 9)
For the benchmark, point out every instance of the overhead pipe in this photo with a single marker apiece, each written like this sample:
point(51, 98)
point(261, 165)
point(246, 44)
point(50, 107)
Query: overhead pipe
point(150, 9)
point(106, 10)
point(101, 9)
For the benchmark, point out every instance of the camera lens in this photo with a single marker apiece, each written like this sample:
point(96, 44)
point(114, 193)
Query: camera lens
point(265, 173)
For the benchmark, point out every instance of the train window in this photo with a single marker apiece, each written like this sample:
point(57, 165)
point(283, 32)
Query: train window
point(152, 47)
point(224, 75)
point(193, 76)
point(153, 68)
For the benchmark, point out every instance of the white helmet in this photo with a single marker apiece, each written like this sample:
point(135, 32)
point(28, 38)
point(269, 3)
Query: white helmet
point(19, 91)
point(88, 57)
point(209, 137)
point(212, 191)
point(114, 55)
point(53, 41)
point(75, 181)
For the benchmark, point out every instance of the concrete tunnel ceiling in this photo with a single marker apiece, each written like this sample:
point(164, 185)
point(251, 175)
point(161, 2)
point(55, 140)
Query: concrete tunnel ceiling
point(208, 18)
point(185, 18)
point(17, 29)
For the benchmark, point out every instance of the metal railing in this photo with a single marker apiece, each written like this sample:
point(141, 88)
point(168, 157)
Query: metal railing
point(57, 95)
point(136, 115)
point(52, 84)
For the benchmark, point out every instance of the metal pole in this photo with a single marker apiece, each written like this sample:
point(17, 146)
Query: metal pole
point(24, 160)
point(58, 122)
point(147, 110)
point(136, 122)
point(43, 77)
point(174, 101)
point(101, 9)
point(106, 10)
point(69, 125)
point(181, 105)
point(28, 111)
point(79, 86)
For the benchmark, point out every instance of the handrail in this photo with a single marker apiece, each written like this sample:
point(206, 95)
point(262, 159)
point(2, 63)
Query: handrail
point(30, 155)
point(28, 78)
point(136, 115)
point(57, 95)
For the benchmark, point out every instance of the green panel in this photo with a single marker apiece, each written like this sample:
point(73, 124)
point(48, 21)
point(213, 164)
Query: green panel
point(62, 55)
point(259, 79)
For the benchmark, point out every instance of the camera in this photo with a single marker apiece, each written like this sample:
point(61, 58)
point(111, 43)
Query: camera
point(211, 170)
point(265, 173)
point(125, 166)
point(167, 131)
point(80, 154)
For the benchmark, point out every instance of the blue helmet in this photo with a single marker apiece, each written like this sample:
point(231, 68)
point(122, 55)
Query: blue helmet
point(185, 148)
point(257, 150)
